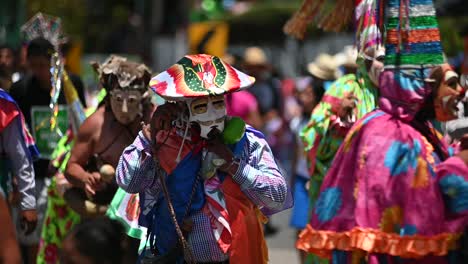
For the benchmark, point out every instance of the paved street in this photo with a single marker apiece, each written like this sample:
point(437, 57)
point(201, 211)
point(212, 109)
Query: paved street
point(281, 245)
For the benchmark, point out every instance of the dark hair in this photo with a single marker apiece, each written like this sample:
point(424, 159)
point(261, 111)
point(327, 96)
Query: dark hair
point(5, 73)
point(8, 47)
point(102, 240)
point(316, 85)
point(40, 47)
point(427, 112)
point(319, 87)
point(13, 53)
point(5, 77)
point(319, 90)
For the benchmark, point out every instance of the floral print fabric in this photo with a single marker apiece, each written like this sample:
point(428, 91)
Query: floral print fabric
point(388, 193)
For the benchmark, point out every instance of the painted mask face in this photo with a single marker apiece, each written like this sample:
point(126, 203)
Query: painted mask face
point(126, 105)
point(209, 113)
point(449, 94)
point(376, 65)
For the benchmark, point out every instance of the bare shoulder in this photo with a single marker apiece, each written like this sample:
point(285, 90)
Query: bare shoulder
point(91, 127)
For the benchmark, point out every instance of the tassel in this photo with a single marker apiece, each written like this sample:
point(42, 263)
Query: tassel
point(297, 25)
point(359, 21)
point(183, 142)
point(407, 22)
point(340, 16)
point(367, 25)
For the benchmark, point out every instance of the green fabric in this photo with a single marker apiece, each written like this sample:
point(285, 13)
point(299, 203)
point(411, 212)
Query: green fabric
point(313, 259)
point(414, 59)
point(321, 140)
point(319, 137)
point(61, 153)
point(420, 22)
point(59, 218)
point(101, 95)
point(112, 213)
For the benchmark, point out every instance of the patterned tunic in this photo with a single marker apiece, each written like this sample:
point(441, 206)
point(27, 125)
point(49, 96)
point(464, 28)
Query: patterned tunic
point(258, 176)
point(389, 195)
point(325, 132)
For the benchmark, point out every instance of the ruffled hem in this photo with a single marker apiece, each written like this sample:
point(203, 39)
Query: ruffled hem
point(322, 243)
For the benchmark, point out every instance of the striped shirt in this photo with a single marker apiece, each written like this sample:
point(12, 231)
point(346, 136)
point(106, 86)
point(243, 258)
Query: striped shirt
point(258, 176)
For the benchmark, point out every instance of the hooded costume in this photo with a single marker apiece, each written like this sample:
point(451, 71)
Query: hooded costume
point(393, 193)
point(325, 131)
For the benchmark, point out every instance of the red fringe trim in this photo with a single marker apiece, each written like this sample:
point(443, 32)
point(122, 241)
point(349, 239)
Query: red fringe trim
point(322, 243)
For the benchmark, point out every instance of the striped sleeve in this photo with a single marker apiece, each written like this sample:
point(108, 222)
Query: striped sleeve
point(136, 168)
point(259, 176)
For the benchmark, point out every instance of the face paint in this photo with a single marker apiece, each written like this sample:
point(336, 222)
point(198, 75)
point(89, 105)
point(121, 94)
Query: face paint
point(449, 94)
point(209, 113)
point(126, 105)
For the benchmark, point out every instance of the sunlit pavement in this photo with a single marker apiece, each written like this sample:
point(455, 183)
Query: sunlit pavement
point(281, 245)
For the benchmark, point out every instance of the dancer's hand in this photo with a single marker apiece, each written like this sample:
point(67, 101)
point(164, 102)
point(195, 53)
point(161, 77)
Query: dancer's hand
point(92, 183)
point(348, 103)
point(217, 146)
point(28, 221)
point(220, 149)
point(161, 120)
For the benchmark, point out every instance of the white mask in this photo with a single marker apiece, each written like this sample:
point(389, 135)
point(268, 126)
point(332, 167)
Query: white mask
point(377, 65)
point(208, 112)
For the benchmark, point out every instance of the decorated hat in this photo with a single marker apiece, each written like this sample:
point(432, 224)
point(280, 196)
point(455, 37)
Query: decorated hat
point(412, 34)
point(126, 74)
point(198, 76)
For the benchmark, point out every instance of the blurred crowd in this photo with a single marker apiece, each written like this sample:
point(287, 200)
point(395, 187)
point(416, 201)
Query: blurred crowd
point(279, 107)
point(51, 213)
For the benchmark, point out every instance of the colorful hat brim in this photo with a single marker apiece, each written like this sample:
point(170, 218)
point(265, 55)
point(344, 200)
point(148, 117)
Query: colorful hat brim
point(199, 76)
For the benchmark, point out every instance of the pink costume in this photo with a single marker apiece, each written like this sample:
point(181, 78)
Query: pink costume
point(241, 104)
point(394, 193)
